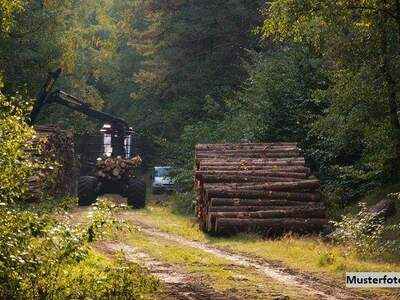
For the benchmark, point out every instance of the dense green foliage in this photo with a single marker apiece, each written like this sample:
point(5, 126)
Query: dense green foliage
point(358, 42)
point(38, 246)
point(322, 73)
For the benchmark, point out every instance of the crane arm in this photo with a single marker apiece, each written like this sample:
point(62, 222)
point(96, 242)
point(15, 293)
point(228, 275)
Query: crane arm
point(76, 104)
point(46, 96)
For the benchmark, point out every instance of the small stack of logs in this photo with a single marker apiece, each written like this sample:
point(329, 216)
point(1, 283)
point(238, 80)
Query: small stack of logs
point(54, 147)
point(256, 188)
point(115, 169)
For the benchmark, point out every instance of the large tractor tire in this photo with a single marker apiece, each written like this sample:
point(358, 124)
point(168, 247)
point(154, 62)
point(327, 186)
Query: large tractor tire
point(136, 193)
point(87, 190)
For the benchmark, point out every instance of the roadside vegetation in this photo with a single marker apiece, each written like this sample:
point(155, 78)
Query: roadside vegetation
point(310, 253)
point(43, 254)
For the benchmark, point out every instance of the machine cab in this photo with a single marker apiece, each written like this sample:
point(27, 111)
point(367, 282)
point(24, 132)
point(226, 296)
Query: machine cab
point(108, 149)
point(92, 147)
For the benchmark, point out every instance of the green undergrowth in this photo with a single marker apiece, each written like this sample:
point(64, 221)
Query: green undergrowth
point(99, 277)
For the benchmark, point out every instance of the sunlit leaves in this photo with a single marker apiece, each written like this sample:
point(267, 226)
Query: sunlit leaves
point(7, 10)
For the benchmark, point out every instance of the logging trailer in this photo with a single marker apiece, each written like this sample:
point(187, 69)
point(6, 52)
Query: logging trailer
point(119, 133)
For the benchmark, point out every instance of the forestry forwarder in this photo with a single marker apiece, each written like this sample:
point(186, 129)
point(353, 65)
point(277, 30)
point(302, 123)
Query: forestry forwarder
point(90, 187)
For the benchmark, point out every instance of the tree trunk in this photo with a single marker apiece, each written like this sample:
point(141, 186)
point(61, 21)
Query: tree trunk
point(392, 93)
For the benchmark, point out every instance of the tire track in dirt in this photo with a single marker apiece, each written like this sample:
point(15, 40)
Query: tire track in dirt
point(184, 288)
point(324, 289)
point(178, 285)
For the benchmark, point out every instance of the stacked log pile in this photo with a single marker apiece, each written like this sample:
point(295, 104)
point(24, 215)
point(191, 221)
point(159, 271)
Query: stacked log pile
point(55, 147)
point(116, 169)
point(256, 187)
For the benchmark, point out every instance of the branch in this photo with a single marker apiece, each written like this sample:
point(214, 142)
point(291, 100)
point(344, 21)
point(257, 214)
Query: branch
point(389, 13)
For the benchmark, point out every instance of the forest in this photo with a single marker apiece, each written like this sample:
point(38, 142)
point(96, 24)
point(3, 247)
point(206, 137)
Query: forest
point(324, 74)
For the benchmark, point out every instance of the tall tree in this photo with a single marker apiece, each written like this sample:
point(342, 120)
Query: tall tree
point(192, 49)
point(359, 40)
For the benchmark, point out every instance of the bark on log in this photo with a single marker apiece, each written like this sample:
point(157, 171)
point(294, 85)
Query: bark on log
point(269, 186)
point(300, 212)
point(263, 173)
point(223, 193)
point(243, 146)
point(249, 208)
point(291, 154)
point(269, 226)
point(226, 152)
point(249, 160)
point(261, 163)
point(260, 202)
point(278, 169)
point(232, 179)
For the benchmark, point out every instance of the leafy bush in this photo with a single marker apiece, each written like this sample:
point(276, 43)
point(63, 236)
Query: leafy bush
point(38, 245)
point(98, 278)
point(37, 248)
point(16, 162)
point(365, 233)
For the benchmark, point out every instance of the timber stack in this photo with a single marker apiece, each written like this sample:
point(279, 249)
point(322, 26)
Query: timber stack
point(256, 188)
point(55, 147)
point(118, 168)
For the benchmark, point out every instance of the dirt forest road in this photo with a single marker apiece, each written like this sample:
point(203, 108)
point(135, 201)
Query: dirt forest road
point(197, 270)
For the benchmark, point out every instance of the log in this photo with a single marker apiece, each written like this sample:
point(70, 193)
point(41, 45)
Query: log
point(243, 146)
point(269, 226)
point(259, 202)
point(383, 209)
point(234, 152)
point(248, 163)
point(264, 173)
point(300, 212)
point(249, 160)
point(232, 179)
point(249, 208)
point(262, 194)
point(268, 186)
point(280, 169)
point(290, 154)
point(117, 168)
